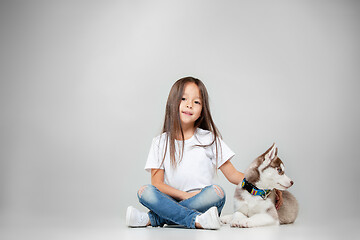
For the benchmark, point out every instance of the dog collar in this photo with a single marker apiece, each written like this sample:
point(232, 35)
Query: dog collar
point(264, 193)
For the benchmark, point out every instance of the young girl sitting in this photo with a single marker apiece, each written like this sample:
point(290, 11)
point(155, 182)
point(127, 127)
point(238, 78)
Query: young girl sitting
point(183, 161)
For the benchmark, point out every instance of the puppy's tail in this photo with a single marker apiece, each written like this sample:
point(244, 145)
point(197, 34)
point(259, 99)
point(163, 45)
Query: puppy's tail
point(289, 209)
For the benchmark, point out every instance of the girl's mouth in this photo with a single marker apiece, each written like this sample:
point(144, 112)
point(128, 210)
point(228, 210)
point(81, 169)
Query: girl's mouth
point(187, 113)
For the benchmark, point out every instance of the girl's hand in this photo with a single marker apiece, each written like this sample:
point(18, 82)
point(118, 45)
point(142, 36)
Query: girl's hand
point(279, 199)
point(190, 195)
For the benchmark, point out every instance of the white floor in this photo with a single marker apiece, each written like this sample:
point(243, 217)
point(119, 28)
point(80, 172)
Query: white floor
point(115, 229)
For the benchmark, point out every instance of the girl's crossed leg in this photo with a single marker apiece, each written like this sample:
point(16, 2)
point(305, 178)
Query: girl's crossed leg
point(166, 210)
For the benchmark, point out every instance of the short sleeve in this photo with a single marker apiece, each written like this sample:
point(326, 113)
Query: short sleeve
point(224, 153)
point(154, 158)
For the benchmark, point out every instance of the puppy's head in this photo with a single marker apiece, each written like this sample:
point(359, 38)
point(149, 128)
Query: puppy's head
point(268, 171)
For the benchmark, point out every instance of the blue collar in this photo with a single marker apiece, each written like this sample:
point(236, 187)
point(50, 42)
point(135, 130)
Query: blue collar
point(264, 193)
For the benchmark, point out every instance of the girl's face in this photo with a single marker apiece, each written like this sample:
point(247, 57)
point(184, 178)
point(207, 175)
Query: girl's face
point(190, 105)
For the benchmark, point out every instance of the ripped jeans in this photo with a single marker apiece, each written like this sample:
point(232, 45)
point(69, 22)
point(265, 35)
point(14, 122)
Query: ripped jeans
point(166, 210)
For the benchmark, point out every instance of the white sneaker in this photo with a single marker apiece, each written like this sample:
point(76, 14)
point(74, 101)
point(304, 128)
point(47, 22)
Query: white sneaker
point(209, 219)
point(136, 218)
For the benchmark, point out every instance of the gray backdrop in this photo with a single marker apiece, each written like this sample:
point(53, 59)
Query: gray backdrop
point(84, 86)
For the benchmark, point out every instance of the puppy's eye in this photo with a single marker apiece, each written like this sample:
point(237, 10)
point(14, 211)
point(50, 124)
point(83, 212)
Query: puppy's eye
point(279, 170)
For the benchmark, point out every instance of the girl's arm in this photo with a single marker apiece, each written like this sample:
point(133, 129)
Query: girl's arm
point(157, 180)
point(231, 174)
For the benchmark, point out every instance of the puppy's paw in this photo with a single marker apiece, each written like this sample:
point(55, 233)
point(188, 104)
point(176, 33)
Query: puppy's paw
point(246, 224)
point(240, 223)
point(226, 219)
point(235, 224)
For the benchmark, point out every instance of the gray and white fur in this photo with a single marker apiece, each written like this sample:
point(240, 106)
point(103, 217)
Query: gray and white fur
point(265, 172)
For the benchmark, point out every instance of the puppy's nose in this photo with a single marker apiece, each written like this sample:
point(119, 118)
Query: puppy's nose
point(292, 183)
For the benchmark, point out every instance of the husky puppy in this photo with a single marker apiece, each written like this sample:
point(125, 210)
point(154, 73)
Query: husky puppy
point(254, 198)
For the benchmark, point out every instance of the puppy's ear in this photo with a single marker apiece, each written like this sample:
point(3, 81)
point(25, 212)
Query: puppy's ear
point(276, 151)
point(271, 153)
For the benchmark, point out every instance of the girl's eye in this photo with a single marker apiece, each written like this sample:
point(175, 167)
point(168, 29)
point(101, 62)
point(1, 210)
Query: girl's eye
point(183, 99)
point(197, 102)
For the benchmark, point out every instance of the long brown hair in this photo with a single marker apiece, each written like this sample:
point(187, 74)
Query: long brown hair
point(172, 125)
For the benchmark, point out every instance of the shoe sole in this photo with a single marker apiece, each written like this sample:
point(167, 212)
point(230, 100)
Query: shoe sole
point(128, 214)
point(215, 217)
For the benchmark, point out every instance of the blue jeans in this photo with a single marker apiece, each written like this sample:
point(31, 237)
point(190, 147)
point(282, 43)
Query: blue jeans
point(166, 210)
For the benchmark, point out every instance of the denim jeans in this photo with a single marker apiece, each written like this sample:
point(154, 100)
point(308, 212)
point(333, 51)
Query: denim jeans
point(166, 210)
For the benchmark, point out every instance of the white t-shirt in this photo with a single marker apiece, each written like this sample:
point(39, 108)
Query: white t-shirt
point(197, 167)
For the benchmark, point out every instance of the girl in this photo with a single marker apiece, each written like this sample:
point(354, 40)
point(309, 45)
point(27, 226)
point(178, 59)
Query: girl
point(182, 162)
